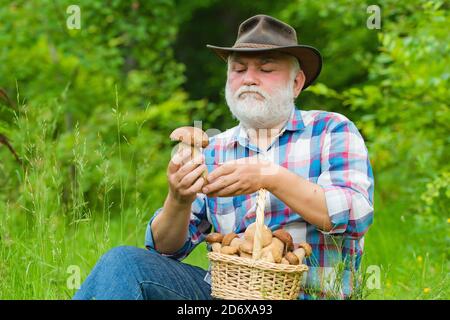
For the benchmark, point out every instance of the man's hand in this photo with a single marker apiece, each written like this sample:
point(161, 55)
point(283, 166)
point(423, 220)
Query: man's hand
point(170, 227)
point(242, 176)
point(185, 177)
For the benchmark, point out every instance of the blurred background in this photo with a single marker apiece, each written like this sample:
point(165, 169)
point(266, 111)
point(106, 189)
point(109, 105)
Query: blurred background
point(85, 116)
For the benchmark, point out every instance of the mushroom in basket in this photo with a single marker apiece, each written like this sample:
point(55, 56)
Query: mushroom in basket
point(278, 247)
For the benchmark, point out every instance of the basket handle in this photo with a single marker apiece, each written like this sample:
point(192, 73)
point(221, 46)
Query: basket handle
point(257, 241)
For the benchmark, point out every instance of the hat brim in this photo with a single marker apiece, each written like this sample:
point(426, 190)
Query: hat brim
point(309, 57)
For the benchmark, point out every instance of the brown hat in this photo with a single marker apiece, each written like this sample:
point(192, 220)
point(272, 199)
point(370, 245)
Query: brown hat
point(265, 33)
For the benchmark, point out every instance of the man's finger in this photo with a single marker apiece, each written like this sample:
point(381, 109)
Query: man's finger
point(220, 171)
point(197, 186)
point(188, 167)
point(220, 183)
point(180, 158)
point(229, 191)
point(191, 177)
point(173, 167)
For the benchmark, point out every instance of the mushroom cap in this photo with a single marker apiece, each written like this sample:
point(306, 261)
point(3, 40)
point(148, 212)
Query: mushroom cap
point(192, 136)
point(214, 237)
point(285, 237)
point(226, 241)
point(292, 258)
point(236, 242)
point(278, 248)
point(306, 247)
point(266, 236)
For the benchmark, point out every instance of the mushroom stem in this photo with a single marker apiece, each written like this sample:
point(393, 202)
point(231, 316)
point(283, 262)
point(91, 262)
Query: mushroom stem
point(300, 253)
point(194, 152)
point(304, 250)
point(194, 139)
point(216, 247)
point(183, 148)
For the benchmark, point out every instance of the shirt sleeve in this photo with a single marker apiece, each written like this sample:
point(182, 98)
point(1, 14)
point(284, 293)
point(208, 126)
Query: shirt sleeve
point(347, 180)
point(199, 227)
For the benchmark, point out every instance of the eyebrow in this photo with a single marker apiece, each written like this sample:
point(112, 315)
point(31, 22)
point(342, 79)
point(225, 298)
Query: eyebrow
point(262, 60)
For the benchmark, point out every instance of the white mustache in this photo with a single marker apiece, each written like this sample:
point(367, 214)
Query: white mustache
point(253, 112)
point(251, 89)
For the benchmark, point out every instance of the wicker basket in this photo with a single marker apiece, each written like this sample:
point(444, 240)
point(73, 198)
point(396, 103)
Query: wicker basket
point(241, 278)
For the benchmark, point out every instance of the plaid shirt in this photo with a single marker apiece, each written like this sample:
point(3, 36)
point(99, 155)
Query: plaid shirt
point(323, 147)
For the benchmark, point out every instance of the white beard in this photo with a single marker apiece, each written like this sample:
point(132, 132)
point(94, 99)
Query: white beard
point(266, 113)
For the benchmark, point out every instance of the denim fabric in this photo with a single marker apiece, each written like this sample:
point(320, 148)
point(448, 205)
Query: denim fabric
point(130, 273)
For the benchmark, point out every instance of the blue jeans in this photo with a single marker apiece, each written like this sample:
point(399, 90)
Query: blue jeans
point(130, 273)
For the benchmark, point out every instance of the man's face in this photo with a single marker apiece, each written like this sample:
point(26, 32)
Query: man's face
point(266, 70)
point(261, 88)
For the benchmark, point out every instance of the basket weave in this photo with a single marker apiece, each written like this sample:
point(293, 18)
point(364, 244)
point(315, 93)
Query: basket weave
point(241, 278)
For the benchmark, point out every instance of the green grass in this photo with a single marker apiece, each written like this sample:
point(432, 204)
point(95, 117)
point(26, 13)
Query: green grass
point(413, 258)
point(35, 258)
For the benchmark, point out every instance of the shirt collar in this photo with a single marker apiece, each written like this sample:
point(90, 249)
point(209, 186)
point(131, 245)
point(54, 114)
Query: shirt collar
point(294, 123)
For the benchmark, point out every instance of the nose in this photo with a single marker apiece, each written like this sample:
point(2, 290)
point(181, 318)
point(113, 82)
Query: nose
point(250, 78)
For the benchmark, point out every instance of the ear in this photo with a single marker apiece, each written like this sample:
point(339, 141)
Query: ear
point(299, 82)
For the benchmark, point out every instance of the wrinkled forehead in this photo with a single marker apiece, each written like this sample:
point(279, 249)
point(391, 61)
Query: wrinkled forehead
point(259, 57)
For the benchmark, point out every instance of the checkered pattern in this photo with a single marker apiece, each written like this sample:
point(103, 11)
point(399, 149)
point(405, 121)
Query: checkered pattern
point(327, 149)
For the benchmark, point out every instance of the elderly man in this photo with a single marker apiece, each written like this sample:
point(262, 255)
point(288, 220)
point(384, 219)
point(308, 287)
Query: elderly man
point(314, 165)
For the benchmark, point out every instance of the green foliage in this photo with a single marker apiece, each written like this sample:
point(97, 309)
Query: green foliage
point(119, 43)
point(67, 81)
point(404, 103)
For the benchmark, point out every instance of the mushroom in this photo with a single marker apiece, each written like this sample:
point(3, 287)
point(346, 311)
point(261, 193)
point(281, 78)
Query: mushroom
point(236, 242)
point(214, 237)
point(285, 237)
point(246, 247)
point(292, 258)
point(243, 254)
point(266, 236)
point(215, 240)
point(229, 250)
point(284, 261)
point(228, 238)
point(274, 250)
point(191, 138)
point(216, 247)
point(304, 250)
point(268, 257)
